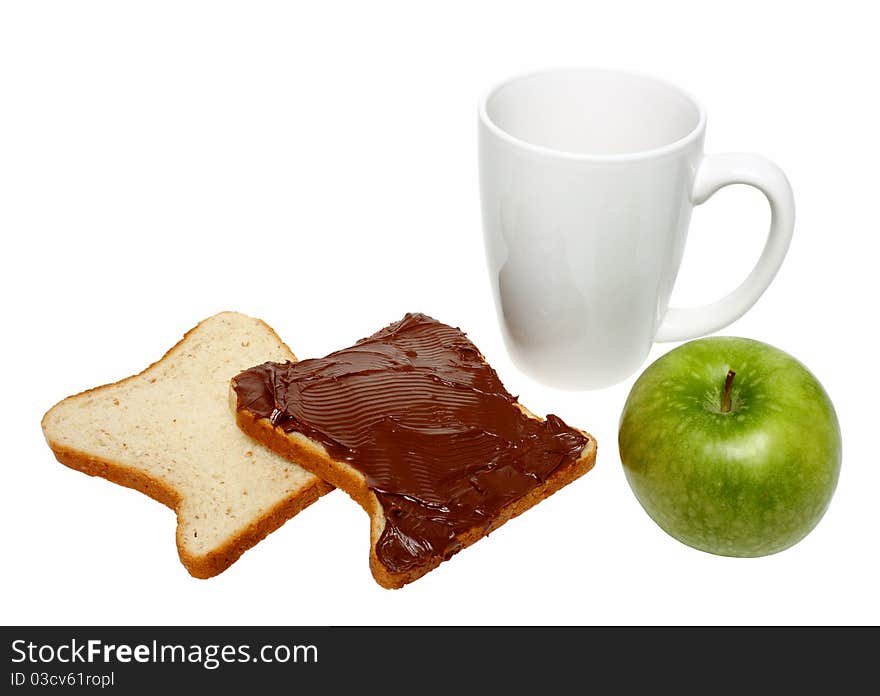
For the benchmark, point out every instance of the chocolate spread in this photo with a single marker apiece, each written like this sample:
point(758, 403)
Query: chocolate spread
point(416, 409)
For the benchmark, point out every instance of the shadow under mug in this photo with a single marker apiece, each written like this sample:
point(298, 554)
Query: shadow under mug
point(587, 182)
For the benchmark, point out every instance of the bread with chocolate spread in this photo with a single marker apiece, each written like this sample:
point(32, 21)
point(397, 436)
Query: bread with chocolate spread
point(168, 433)
point(415, 425)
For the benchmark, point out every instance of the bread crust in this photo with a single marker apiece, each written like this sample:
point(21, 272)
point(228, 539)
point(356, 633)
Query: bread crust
point(220, 558)
point(313, 457)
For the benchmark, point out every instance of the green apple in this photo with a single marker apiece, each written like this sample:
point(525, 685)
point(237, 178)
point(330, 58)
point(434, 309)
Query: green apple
point(731, 445)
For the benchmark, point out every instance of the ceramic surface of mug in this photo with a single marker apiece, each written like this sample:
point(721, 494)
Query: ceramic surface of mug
point(587, 182)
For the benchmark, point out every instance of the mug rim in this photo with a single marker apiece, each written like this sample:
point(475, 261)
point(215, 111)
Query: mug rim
point(651, 153)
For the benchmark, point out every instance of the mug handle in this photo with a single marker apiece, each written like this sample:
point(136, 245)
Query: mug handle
point(716, 172)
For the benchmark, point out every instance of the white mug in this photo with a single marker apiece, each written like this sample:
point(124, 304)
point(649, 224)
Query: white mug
point(587, 182)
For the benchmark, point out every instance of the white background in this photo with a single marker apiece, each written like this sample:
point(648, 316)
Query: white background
point(314, 164)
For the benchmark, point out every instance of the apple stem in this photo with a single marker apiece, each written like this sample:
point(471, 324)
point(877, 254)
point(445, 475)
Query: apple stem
point(728, 383)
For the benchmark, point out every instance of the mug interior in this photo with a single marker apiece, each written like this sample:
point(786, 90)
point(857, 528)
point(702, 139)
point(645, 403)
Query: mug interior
point(593, 112)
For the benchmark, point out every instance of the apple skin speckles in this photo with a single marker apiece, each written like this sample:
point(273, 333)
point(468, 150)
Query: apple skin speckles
point(749, 482)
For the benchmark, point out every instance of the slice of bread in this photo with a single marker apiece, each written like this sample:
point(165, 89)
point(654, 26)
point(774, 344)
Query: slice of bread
point(255, 391)
point(167, 432)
